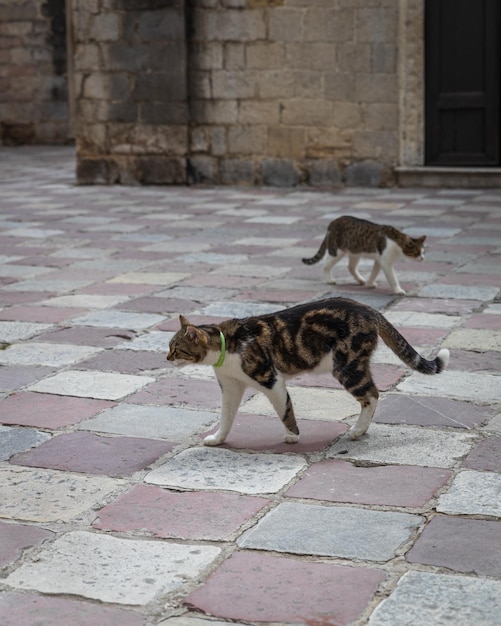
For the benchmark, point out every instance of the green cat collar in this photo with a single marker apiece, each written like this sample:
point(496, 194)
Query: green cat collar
point(220, 361)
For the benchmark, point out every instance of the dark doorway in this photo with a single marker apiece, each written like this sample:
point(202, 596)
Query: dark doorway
point(462, 68)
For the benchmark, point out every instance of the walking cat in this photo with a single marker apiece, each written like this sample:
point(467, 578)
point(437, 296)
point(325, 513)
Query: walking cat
point(360, 238)
point(335, 335)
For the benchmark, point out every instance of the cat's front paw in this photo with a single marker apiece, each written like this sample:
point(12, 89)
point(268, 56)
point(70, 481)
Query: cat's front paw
point(291, 438)
point(372, 285)
point(399, 292)
point(213, 440)
point(356, 432)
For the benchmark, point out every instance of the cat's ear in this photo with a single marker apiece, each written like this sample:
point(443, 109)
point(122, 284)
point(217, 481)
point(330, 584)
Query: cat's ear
point(195, 334)
point(183, 321)
point(422, 239)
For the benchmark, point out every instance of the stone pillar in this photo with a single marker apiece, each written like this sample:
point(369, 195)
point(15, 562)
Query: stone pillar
point(131, 91)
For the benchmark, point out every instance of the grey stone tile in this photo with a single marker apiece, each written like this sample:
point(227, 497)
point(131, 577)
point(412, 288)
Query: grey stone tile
point(426, 599)
point(212, 258)
point(198, 294)
point(111, 569)
point(359, 533)
point(55, 286)
point(471, 386)
point(54, 496)
point(405, 445)
point(154, 341)
point(54, 355)
point(85, 301)
point(218, 468)
point(173, 424)
point(477, 340)
point(461, 292)
point(472, 493)
point(424, 320)
point(494, 424)
point(14, 331)
point(14, 440)
point(100, 385)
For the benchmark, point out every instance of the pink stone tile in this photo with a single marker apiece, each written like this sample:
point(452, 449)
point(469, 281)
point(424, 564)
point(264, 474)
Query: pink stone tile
point(48, 410)
point(126, 361)
point(173, 324)
point(178, 515)
point(93, 454)
point(12, 378)
point(423, 336)
point(485, 456)
point(42, 314)
point(467, 361)
point(220, 280)
point(429, 411)
point(14, 538)
point(22, 609)
point(190, 393)
point(469, 279)
point(163, 306)
point(262, 588)
point(276, 295)
point(483, 321)
point(256, 432)
point(389, 485)
point(463, 545)
point(87, 336)
point(10, 298)
point(118, 289)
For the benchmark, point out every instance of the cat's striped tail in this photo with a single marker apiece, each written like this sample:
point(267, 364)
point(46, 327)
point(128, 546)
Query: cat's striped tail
point(403, 349)
point(319, 255)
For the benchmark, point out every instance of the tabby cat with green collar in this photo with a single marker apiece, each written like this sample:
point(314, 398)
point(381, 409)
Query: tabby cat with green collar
point(335, 335)
point(358, 239)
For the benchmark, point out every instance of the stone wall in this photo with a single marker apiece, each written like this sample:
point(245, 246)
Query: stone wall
point(274, 92)
point(33, 85)
point(294, 91)
point(131, 90)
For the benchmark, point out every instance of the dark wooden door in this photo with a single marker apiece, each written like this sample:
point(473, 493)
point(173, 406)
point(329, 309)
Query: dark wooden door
point(462, 82)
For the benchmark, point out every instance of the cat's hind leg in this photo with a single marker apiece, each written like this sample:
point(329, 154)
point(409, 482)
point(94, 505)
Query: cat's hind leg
point(376, 268)
point(282, 403)
point(356, 378)
point(331, 260)
point(232, 392)
point(352, 267)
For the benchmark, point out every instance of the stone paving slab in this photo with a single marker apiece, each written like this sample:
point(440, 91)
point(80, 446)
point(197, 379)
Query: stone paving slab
point(406, 445)
point(92, 454)
point(359, 533)
point(99, 385)
point(471, 386)
point(47, 410)
point(388, 485)
point(54, 496)
point(109, 569)
point(52, 355)
point(14, 440)
point(424, 598)
point(167, 514)
point(14, 331)
point(265, 588)
point(220, 469)
point(485, 456)
point(14, 538)
point(469, 546)
point(472, 493)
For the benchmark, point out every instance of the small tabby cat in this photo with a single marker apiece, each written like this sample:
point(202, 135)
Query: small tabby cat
point(360, 238)
point(335, 335)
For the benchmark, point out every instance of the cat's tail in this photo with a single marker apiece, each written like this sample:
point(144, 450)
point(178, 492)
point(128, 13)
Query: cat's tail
point(319, 255)
point(403, 349)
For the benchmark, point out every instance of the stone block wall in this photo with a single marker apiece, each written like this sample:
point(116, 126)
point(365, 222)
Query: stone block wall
point(131, 91)
point(33, 79)
point(285, 92)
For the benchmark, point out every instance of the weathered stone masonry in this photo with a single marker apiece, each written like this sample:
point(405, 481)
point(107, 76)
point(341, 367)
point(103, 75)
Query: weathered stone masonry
point(276, 92)
point(33, 79)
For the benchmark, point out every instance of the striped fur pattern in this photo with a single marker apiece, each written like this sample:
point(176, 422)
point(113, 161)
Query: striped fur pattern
point(358, 239)
point(335, 335)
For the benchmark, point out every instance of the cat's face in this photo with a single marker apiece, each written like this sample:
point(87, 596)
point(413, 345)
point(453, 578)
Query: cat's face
point(414, 247)
point(188, 346)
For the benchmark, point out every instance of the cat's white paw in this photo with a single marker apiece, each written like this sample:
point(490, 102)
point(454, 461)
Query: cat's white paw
point(372, 285)
point(291, 438)
point(356, 433)
point(330, 281)
point(213, 440)
point(399, 292)
point(361, 281)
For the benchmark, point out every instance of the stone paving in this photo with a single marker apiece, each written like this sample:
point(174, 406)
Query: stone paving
point(112, 512)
